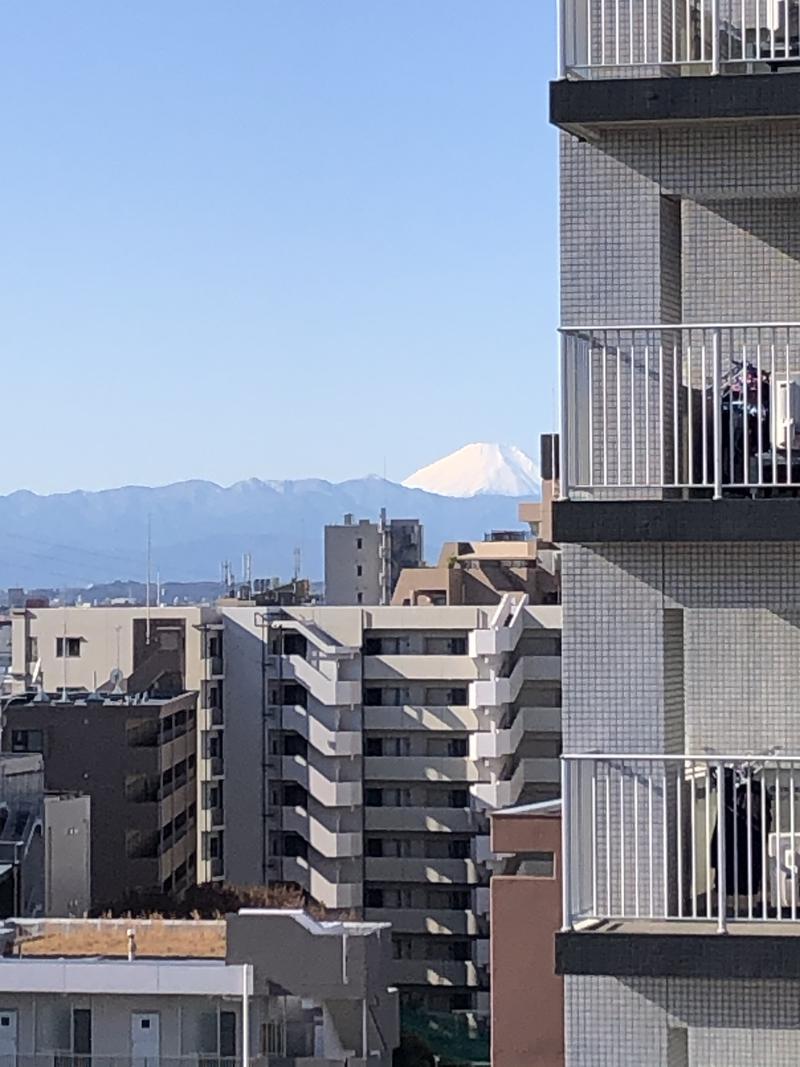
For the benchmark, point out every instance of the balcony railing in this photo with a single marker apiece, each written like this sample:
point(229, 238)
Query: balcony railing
point(681, 838)
point(606, 38)
point(690, 406)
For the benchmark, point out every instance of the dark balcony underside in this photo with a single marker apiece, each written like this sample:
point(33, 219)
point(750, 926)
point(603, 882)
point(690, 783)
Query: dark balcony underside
point(681, 950)
point(730, 519)
point(583, 105)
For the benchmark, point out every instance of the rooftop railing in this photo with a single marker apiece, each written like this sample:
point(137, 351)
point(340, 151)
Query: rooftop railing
point(614, 38)
point(681, 838)
point(707, 407)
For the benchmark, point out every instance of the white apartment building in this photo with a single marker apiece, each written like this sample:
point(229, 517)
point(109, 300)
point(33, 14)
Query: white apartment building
point(363, 559)
point(164, 651)
point(364, 749)
point(260, 988)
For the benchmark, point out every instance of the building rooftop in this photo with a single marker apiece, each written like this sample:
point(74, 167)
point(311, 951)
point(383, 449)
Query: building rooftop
point(155, 938)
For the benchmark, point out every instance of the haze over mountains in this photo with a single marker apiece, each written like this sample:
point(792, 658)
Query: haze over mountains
point(81, 537)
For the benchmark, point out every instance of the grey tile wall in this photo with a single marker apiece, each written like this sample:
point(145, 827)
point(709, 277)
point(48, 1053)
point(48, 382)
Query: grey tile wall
point(677, 1022)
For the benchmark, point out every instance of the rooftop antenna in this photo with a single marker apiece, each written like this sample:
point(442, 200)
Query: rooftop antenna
point(64, 643)
point(298, 560)
point(147, 593)
point(247, 567)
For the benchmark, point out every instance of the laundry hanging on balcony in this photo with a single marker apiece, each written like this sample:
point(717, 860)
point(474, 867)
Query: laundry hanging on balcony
point(747, 818)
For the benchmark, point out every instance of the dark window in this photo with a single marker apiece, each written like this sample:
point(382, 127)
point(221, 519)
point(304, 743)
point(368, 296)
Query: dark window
point(359, 543)
point(460, 1001)
point(460, 950)
point(458, 646)
point(294, 845)
point(359, 570)
point(295, 745)
point(372, 646)
point(374, 846)
point(457, 746)
point(458, 849)
point(294, 795)
point(294, 645)
point(227, 1033)
point(373, 697)
point(373, 798)
point(72, 646)
point(359, 598)
point(458, 697)
point(27, 741)
point(459, 899)
point(373, 897)
point(374, 746)
point(457, 798)
point(82, 1031)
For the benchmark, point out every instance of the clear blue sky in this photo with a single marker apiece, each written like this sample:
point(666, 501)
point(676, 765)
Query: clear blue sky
point(272, 238)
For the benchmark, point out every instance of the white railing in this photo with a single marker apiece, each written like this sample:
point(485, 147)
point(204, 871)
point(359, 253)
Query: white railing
point(655, 837)
point(687, 406)
point(599, 37)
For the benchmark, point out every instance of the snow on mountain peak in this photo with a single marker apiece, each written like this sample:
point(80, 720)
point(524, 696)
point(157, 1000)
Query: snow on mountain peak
point(479, 468)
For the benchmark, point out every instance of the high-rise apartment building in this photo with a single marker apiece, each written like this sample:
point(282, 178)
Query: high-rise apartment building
point(363, 559)
point(364, 748)
point(678, 521)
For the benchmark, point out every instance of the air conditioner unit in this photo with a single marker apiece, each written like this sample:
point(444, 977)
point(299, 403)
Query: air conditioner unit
point(786, 413)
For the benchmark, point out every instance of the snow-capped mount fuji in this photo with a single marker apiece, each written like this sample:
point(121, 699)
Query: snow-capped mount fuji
point(479, 469)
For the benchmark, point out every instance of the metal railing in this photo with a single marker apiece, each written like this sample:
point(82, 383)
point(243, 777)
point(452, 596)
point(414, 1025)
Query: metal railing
point(76, 1059)
point(686, 406)
point(660, 837)
point(601, 38)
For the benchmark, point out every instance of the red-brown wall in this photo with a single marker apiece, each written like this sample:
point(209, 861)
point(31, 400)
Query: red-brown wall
point(527, 997)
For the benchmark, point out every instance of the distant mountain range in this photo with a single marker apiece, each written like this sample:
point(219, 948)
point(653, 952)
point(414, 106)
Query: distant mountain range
point(80, 538)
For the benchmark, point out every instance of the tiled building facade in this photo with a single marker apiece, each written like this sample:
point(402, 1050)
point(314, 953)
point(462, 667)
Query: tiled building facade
point(680, 530)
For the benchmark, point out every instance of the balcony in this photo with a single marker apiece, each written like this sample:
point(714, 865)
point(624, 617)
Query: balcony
point(693, 410)
point(613, 38)
point(699, 856)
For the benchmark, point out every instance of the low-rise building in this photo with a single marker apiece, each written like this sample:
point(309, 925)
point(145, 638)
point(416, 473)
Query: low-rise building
point(135, 758)
point(527, 995)
point(257, 988)
point(44, 842)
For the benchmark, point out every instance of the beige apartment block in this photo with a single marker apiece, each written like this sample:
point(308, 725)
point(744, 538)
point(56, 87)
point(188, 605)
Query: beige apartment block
point(163, 652)
point(365, 748)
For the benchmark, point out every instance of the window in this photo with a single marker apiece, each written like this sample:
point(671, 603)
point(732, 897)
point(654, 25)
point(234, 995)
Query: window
point(359, 570)
point(359, 598)
point(27, 741)
point(459, 899)
point(457, 798)
point(460, 1001)
point(359, 543)
point(69, 647)
point(458, 697)
point(373, 697)
point(459, 950)
point(458, 646)
point(273, 1038)
point(396, 746)
point(374, 746)
point(397, 798)
point(294, 795)
point(374, 847)
point(457, 746)
point(294, 845)
point(373, 798)
point(401, 948)
point(82, 1031)
point(458, 849)
point(372, 646)
point(33, 649)
point(227, 1033)
point(399, 898)
point(373, 897)
point(295, 745)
